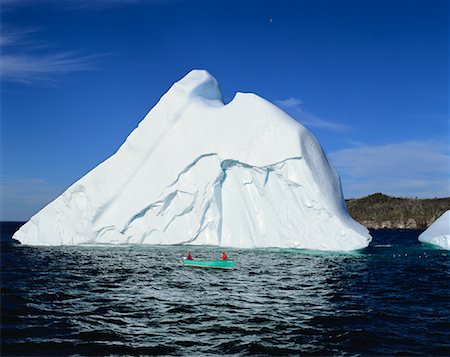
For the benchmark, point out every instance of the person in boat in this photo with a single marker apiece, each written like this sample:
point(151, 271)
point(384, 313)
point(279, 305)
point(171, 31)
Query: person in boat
point(224, 256)
point(189, 256)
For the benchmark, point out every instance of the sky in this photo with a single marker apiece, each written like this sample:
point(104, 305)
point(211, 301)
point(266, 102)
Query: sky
point(370, 79)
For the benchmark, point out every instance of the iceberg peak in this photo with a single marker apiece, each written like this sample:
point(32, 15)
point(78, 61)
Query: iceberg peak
point(199, 83)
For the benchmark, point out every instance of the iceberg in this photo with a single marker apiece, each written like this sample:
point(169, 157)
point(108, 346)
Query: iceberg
point(438, 233)
point(197, 171)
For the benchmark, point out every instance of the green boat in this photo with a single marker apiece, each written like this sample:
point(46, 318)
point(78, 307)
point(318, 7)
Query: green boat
point(210, 264)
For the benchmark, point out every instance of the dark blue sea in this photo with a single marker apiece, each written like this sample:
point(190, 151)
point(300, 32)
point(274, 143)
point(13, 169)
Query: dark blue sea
point(391, 298)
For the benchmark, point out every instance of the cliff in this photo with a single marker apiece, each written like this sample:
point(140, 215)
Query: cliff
point(382, 211)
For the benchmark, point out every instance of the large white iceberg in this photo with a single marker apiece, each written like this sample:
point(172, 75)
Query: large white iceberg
point(197, 171)
point(439, 232)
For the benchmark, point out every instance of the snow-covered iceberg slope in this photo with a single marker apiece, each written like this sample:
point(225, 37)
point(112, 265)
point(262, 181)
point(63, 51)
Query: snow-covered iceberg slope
point(197, 171)
point(439, 232)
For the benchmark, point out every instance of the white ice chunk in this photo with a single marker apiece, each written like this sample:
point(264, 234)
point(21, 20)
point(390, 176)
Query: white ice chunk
point(439, 232)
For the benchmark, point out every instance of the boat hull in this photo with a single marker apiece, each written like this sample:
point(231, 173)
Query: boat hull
point(210, 264)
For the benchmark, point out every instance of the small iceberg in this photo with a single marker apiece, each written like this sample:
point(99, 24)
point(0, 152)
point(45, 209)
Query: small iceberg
point(438, 233)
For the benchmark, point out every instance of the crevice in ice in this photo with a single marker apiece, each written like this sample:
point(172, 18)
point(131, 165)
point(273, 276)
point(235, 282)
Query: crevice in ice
point(202, 226)
point(207, 198)
point(192, 164)
point(103, 230)
point(267, 177)
point(162, 204)
point(147, 234)
point(187, 210)
point(228, 163)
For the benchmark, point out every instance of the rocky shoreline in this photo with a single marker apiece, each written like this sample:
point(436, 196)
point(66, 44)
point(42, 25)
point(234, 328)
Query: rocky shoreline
point(379, 211)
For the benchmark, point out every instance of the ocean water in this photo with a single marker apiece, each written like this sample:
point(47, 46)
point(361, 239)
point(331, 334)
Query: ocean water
point(391, 298)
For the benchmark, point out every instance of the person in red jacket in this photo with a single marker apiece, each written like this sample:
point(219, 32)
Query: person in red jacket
point(189, 256)
point(224, 256)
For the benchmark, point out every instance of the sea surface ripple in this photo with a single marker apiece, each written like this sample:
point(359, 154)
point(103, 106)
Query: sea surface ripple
point(391, 298)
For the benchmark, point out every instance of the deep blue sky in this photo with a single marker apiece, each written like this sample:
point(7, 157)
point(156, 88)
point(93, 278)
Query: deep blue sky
point(369, 78)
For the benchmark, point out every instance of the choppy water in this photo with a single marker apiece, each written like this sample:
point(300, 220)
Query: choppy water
point(391, 298)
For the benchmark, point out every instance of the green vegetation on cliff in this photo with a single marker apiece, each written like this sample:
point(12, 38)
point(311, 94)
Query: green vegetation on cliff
point(382, 211)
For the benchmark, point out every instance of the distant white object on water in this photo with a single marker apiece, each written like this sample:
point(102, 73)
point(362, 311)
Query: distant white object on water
point(439, 232)
point(196, 171)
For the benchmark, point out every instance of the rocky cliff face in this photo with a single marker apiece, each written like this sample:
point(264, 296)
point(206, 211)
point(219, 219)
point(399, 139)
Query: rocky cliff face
point(379, 211)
